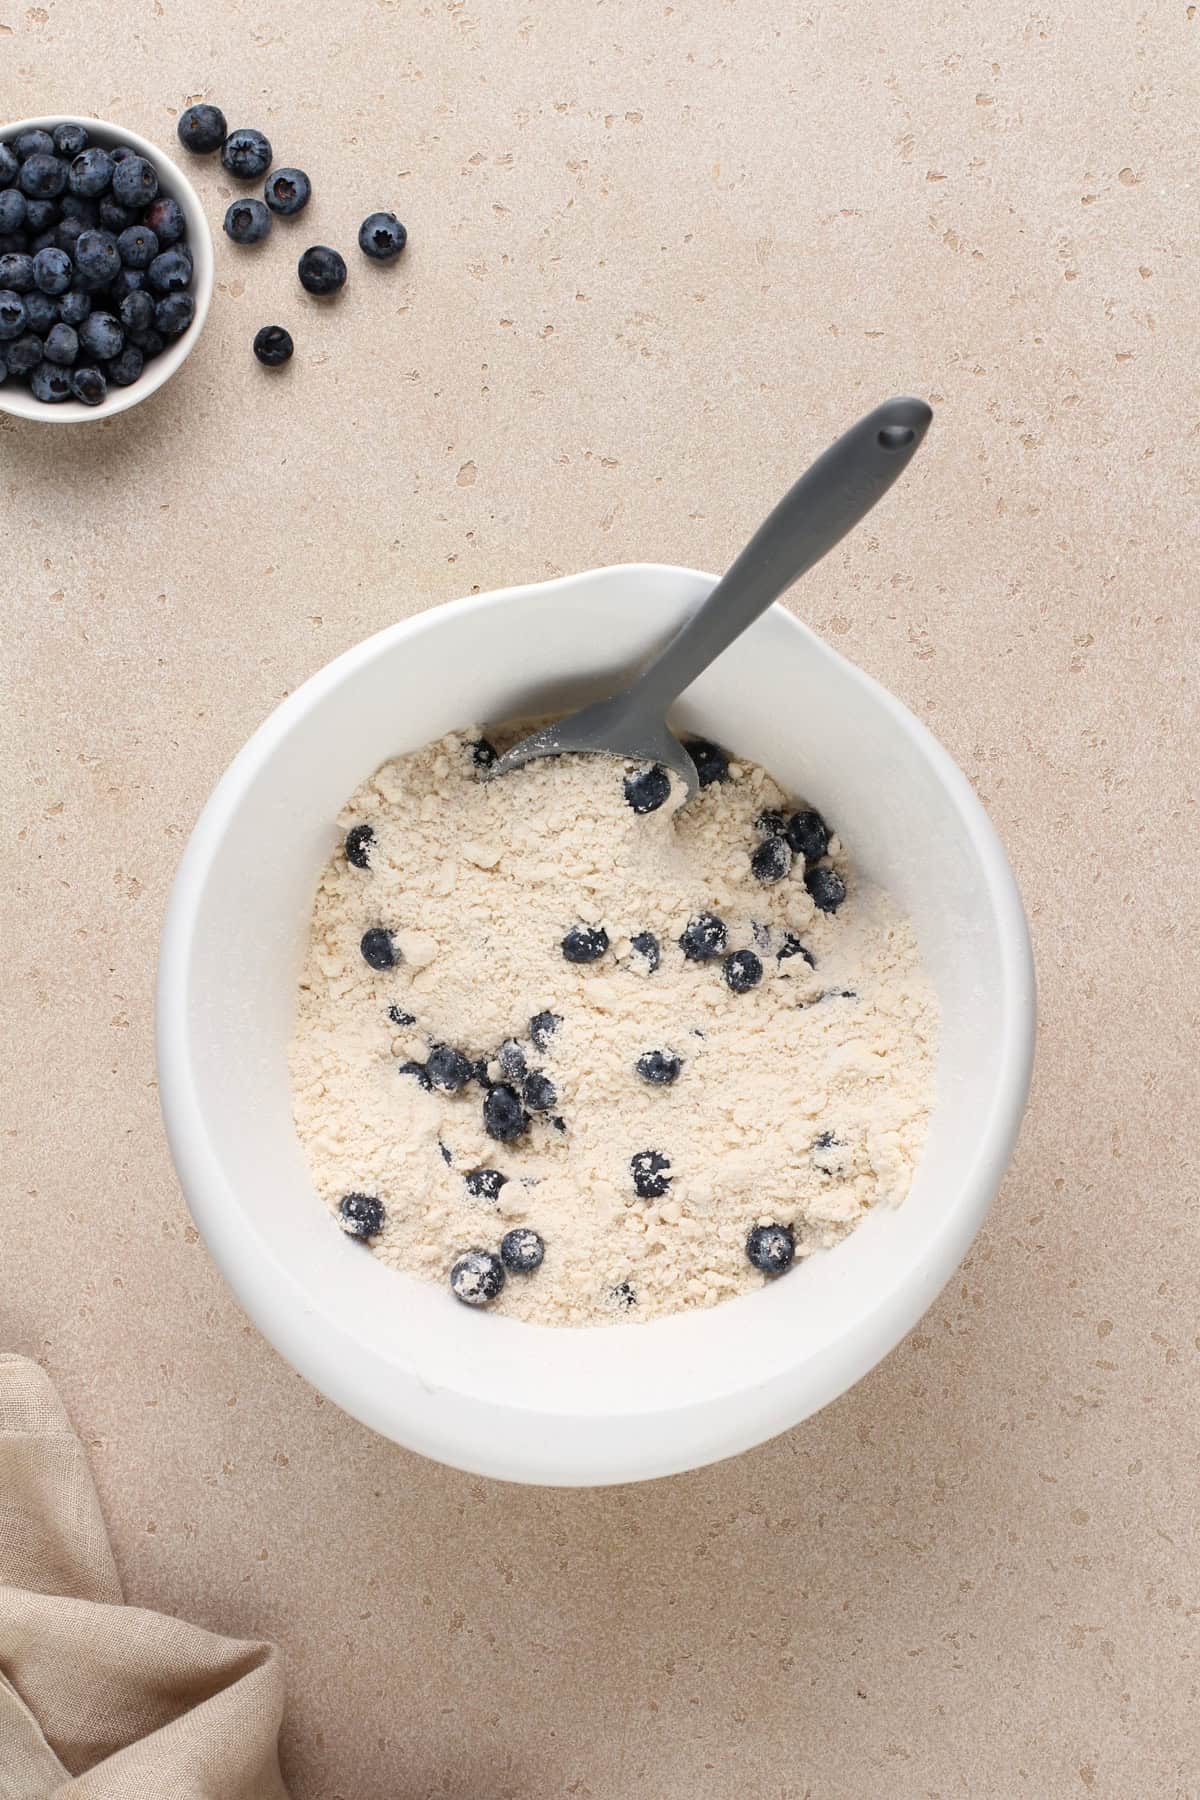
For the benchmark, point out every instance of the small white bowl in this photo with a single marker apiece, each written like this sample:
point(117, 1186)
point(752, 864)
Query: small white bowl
point(481, 1391)
point(17, 400)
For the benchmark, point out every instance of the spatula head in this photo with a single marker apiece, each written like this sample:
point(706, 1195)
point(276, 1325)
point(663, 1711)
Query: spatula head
point(607, 728)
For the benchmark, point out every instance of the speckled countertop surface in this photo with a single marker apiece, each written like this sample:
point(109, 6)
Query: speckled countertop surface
point(660, 254)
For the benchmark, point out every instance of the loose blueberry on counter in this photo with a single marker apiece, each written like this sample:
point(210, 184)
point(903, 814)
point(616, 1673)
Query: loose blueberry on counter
point(542, 1028)
point(247, 221)
point(134, 182)
point(42, 177)
point(504, 1117)
point(585, 943)
point(100, 335)
point(622, 1298)
point(650, 1180)
point(165, 219)
point(381, 236)
point(60, 345)
point(273, 346)
point(137, 246)
point(540, 1093)
point(202, 129)
point(743, 971)
point(50, 384)
point(418, 1072)
point(771, 861)
point(399, 1017)
point(522, 1250)
point(246, 153)
point(378, 948)
point(648, 789)
point(477, 1278)
point(69, 138)
point(658, 1067)
point(827, 888)
point(287, 191)
point(771, 1248)
point(321, 270)
point(711, 762)
point(89, 386)
point(808, 834)
point(362, 1215)
point(704, 938)
point(448, 1068)
point(793, 947)
point(646, 948)
point(485, 1184)
point(771, 823)
point(483, 754)
point(359, 839)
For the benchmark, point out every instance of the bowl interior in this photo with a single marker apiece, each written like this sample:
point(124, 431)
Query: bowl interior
point(172, 181)
point(490, 1393)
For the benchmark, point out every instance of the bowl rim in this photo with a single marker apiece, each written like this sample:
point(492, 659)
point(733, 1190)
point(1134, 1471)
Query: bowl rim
point(20, 405)
point(287, 1314)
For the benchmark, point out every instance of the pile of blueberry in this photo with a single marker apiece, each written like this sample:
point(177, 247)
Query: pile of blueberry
point(95, 269)
point(246, 154)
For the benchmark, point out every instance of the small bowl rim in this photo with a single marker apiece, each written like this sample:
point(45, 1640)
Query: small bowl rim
point(73, 412)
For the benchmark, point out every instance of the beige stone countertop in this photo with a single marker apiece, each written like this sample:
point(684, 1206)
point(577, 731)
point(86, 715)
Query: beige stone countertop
point(661, 251)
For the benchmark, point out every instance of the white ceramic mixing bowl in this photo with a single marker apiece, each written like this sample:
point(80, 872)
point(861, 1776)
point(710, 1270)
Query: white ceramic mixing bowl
point(481, 1391)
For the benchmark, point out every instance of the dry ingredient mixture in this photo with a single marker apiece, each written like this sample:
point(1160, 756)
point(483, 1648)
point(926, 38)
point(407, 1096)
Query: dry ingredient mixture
point(588, 1057)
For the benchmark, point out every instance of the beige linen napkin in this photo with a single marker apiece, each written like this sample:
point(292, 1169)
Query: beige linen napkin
point(99, 1700)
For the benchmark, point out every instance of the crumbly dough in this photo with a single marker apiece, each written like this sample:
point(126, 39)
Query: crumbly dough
point(804, 1101)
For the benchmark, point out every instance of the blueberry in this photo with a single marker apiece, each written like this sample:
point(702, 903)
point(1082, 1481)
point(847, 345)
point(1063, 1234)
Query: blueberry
point(201, 129)
point(96, 256)
point(793, 947)
point(711, 762)
point(477, 1278)
point(67, 233)
point(127, 281)
point(100, 335)
point(42, 177)
point(49, 383)
point(174, 313)
point(511, 1058)
point(61, 345)
point(743, 971)
point(33, 143)
point(52, 271)
point(41, 313)
point(45, 240)
point(522, 1250)
point(542, 1028)
point(12, 314)
point(23, 354)
point(247, 221)
point(78, 206)
point(171, 270)
point(273, 346)
point(771, 1248)
point(166, 220)
point(645, 947)
point(622, 1298)
point(448, 1068)
point(12, 209)
point(704, 938)
point(659, 1068)
point(485, 1184)
point(114, 218)
point(359, 839)
point(417, 1071)
point(648, 789)
point(322, 270)
point(8, 165)
point(41, 215)
point(808, 834)
point(541, 1095)
point(134, 182)
point(483, 754)
point(504, 1118)
point(74, 308)
point(378, 948)
point(138, 246)
point(121, 153)
point(246, 153)
point(69, 138)
point(480, 1076)
point(827, 888)
point(771, 861)
point(585, 943)
point(91, 172)
point(362, 1215)
point(88, 386)
point(650, 1179)
point(124, 370)
point(399, 1017)
point(287, 191)
point(16, 272)
point(151, 343)
point(381, 236)
point(136, 311)
point(772, 822)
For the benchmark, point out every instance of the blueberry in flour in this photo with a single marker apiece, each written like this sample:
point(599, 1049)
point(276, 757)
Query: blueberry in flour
point(808, 834)
point(485, 1184)
point(585, 943)
point(826, 887)
point(512, 1060)
point(477, 1278)
point(522, 1250)
point(704, 938)
point(378, 948)
point(483, 754)
point(542, 1028)
point(504, 1117)
point(646, 952)
point(540, 1093)
point(622, 1298)
point(359, 839)
point(659, 1068)
point(771, 861)
point(649, 1171)
point(419, 1074)
point(361, 1215)
point(792, 946)
point(771, 823)
point(771, 1248)
point(743, 971)
point(711, 762)
point(448, 1068)
point(399, 1017)
point(647, 790)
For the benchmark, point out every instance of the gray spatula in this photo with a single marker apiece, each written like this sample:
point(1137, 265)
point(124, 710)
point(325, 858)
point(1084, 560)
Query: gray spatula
point(840, 489)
